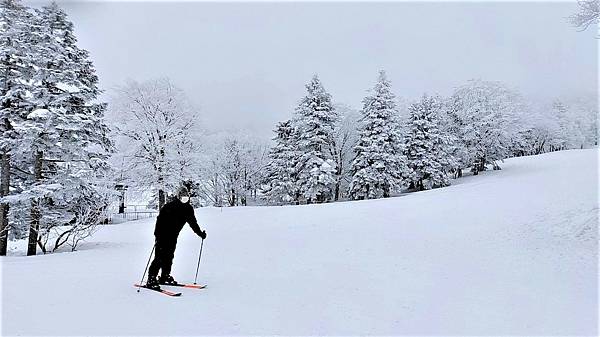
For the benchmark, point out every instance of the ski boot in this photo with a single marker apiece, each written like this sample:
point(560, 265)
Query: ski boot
point(152, 283)
point(168, 280)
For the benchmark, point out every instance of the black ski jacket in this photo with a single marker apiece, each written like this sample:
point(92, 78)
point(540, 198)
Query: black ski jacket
point(171, 218)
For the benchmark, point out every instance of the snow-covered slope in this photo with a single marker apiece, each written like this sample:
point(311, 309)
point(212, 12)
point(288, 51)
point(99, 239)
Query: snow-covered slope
point(507, 252)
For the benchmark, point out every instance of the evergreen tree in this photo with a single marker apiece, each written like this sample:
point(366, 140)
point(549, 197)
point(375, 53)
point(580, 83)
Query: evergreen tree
point(315, 120)
point(63, 141)
point(379, 166)
point(17, 56)
point(280, 174)
point(427, 148)
point(68, 88)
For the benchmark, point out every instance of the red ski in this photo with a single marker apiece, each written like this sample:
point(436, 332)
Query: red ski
point(194, 286)
point(162, 291)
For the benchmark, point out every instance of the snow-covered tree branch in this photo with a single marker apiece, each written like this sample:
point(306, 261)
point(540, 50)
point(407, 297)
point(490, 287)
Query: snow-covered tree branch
point(156, 131)
point(589, 12)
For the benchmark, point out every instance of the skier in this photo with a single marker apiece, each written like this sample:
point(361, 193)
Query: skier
point(171, 218)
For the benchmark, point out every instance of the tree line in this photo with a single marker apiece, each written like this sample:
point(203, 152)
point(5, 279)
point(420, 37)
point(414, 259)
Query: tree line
point(418, 147)
point(329, 151)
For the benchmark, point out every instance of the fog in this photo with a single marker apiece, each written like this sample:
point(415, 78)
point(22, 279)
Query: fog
point(245, 64)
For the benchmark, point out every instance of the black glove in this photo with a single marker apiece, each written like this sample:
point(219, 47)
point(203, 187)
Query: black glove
point(202, 235)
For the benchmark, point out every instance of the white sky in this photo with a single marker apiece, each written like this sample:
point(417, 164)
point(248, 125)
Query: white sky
point(245, 64)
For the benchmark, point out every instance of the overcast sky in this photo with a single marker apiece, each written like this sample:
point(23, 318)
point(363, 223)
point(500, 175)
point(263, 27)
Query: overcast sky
point(245, 64)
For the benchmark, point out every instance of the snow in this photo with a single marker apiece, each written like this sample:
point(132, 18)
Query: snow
point(506, 252)
point(39, 113)
point(68, 88)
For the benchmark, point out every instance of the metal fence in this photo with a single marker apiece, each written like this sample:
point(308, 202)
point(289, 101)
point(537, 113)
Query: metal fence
point(132, 212)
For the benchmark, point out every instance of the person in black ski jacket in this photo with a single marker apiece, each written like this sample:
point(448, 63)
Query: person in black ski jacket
point(171, 219)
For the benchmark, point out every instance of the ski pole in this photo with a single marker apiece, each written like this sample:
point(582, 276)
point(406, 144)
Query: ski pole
point(199, 256)
point(147, 264)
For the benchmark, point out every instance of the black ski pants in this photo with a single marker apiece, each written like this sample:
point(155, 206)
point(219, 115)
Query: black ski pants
point(163, 258)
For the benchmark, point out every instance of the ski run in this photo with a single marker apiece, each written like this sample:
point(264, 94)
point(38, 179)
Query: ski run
point(506, 252)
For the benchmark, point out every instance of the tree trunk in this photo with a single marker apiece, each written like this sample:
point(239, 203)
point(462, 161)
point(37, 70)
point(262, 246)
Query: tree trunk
point(232, 199)
point(216, 195)
point(4, 189)
point(386, 191)
point(161, 180)
point(161, 199)
point(541, 147)
point(482, 165)
point(34, 225)
point(338, 179)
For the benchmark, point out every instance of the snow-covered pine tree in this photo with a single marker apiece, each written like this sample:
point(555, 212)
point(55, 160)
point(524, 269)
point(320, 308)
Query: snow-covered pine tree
point(281, 176)
point(65, 138)
point(315, 119)
point(380, 165)
point(17, 56)
point(426, 147)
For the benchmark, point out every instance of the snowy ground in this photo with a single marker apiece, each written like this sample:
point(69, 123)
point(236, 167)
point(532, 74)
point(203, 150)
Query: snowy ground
point(508, 252)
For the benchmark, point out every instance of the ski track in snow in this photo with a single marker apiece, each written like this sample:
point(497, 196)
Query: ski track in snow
point(507, 252)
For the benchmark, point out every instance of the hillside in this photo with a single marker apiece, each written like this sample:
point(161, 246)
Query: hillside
point(507, 252)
